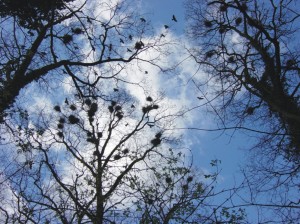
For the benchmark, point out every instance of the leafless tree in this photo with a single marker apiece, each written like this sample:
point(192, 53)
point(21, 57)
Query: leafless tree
point(250, 52)
point(92, 160)
point(45, 42)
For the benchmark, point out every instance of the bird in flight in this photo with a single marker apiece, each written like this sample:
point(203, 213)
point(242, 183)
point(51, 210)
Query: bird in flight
point(174, 18)
point(142, 19)
point(166, 26)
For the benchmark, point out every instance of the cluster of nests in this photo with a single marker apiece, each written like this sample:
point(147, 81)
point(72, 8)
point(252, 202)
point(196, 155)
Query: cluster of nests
point(148, 108)
point(67, 38)
point(169, 181)
point(157, 140)
point(117, 109)
point(124, 152)
point(223, 8)
point(185, 186)
point(91, 137)
point(223, 28)
point(117, 156)
point(93, 107)
point(72, 119)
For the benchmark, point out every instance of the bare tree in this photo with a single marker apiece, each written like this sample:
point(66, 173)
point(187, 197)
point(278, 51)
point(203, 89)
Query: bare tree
point(92, 160)
point(67, 38)
point(250, 53)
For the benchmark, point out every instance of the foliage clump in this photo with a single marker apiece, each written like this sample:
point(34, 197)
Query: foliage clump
point(57, 108)
point(67, 39)
point(93, 109)
point(157, 140)
point(31, 13)
point(73, 119)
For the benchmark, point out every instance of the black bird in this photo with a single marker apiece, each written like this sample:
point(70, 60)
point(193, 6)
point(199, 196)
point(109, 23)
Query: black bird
point(143, 20)
point(150, 125)
point(130, 37)
point(116, 90)
point(121, 41)
point(200, 97)
point(162, 35)
point(129, 50)
point(132, 106)
point(166, 26)
point(146, 72)
point(174, 18)
point(66, 101)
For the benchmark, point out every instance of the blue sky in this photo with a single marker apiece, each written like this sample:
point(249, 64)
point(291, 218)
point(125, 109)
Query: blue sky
point(206, 146)
point(161, 12)
point(233, 149)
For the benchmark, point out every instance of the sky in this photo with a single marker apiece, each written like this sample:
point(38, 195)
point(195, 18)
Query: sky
point(229, 148)
point(205, 146)
point(161, 12)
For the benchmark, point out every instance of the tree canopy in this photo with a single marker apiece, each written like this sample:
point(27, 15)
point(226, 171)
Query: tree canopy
point(88, 150)
point(73, 43)
point(250, 52)
point(86, 137)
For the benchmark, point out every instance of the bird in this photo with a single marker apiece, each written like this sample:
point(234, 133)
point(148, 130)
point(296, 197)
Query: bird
point(162, 35)
point(146, 72)
point(129, 50)
point(66, 101)
point(142, 19)
point(166, 26)
point(200, 97)
point(150, 125)
point(132, 106)
point(130, 37)
point(116, 90)
point(174, 18)
point(121, 41)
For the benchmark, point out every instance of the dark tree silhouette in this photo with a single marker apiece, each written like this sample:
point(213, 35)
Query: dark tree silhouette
point(250, 53)
point(80, 163)
point(32, 13)
point(65, 38)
